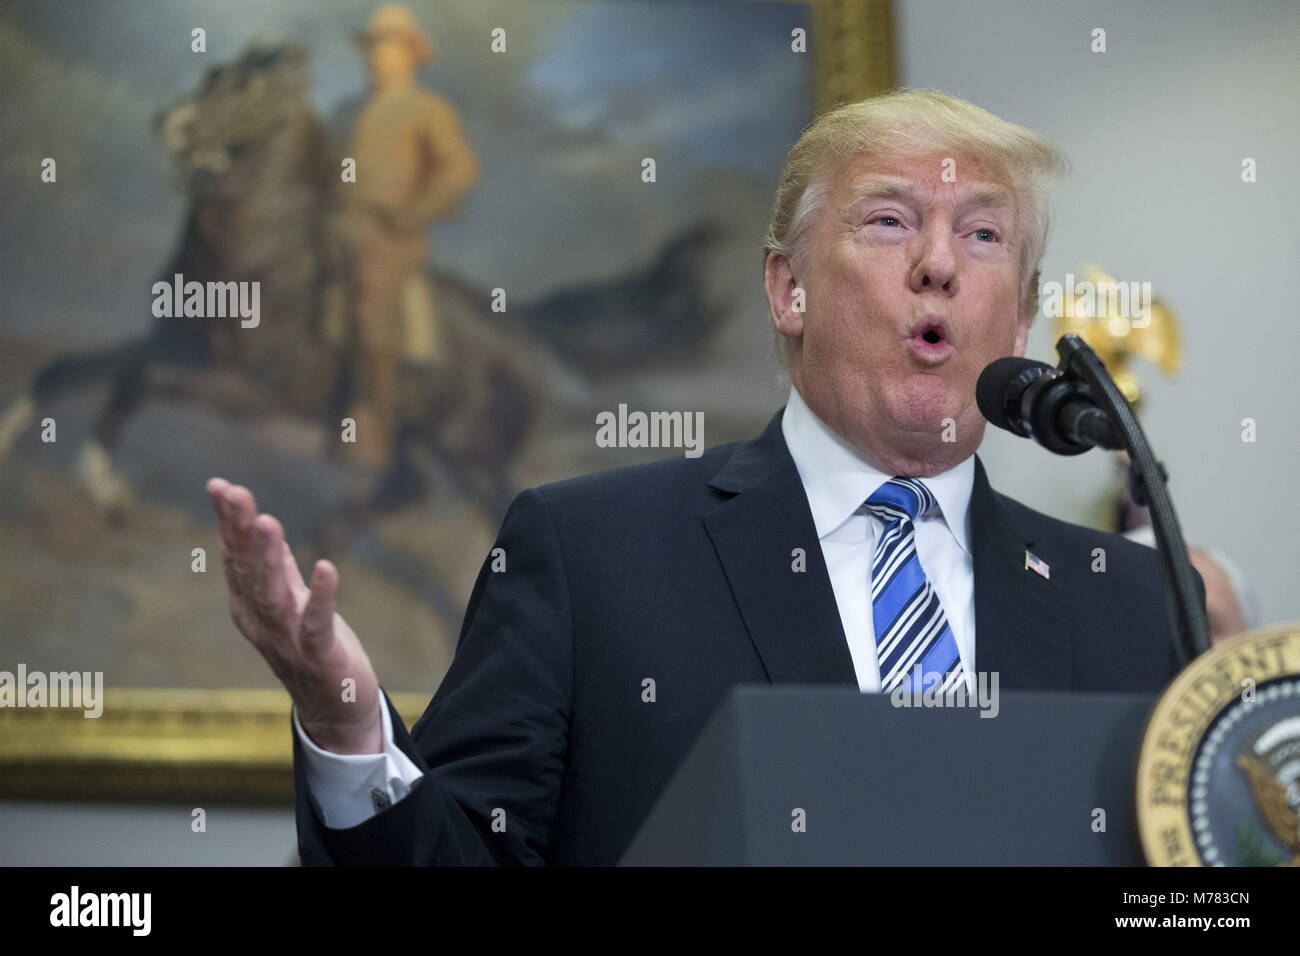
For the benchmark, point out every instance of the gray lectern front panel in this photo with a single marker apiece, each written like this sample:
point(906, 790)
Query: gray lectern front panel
point(800, 776)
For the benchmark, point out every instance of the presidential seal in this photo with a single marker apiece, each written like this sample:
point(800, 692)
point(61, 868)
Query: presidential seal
point(1218, 777)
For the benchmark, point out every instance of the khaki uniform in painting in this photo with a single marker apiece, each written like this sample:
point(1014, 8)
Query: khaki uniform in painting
point(413, 165)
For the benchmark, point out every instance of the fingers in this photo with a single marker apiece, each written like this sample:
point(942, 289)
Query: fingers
point(215, 488)
point(294, 576)
point(236, 510)
point(216, 491)
point(317, 628)
point(260, 568)
point(270, 580)
point(252, 550)
point(241, 509)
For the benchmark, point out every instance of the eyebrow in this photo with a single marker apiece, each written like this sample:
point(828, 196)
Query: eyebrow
point(895, 187)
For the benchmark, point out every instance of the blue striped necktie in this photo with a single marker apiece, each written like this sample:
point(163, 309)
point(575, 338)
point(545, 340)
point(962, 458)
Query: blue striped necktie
point(911, 628)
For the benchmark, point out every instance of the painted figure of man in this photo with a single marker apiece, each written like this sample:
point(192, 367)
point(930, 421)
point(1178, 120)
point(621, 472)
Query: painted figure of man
point(413, 165)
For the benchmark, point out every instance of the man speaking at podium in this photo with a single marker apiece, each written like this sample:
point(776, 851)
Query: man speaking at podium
point(856, 541)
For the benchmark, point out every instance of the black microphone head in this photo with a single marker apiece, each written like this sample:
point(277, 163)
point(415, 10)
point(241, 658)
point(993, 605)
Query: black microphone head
point(999, 389)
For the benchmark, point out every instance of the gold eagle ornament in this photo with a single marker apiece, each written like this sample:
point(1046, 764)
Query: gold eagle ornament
point(1270, 800)
point(1119, 321)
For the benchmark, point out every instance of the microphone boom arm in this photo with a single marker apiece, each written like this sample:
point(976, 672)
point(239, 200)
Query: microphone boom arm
point(1147, 486)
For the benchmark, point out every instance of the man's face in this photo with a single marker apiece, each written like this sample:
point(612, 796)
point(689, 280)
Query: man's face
point(391, 59)
point(896, 250)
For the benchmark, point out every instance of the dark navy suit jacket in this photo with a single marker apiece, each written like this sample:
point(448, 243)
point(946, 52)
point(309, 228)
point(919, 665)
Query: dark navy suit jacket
point(680, 571)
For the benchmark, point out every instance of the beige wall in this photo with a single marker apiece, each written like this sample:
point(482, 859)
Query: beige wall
point(54, 833)
point(1156, 129)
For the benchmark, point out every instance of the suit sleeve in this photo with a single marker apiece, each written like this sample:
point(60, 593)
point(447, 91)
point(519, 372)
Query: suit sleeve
point(351, 788)
point(492, 745)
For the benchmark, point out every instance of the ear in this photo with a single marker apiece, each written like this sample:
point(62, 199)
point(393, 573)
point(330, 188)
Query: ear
point(1026, 318)
point(780, 283)
point(1022, 335)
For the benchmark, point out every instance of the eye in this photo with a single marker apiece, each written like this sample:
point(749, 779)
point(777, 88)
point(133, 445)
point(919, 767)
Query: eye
point(983, 232)
point(893, 219)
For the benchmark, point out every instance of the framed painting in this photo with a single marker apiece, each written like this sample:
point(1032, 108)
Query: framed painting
point(186, 278)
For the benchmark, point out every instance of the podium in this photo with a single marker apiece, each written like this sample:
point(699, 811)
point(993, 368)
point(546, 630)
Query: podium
point(882, 785)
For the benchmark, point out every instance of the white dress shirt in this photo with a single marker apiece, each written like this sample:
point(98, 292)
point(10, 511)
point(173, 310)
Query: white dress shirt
point(351, 788)
point(345, 785)
point(837, 482)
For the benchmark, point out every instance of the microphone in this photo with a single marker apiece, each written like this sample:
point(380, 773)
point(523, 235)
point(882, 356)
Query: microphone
point(1049, 405)
point(1075, 407)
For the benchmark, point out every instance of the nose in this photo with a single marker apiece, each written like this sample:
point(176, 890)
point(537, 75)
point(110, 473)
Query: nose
point(935, 267)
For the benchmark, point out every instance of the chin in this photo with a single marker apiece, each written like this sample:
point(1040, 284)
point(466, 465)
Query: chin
point(928, 427)
point(923, 409)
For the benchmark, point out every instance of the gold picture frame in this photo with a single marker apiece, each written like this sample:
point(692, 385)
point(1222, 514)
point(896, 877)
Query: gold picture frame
point(227, 746)
point(234, 746)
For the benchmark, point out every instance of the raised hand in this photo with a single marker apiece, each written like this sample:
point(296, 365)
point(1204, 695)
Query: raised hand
point(309, 646)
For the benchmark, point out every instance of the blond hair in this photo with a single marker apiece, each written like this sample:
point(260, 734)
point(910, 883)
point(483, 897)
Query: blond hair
point(911, 122)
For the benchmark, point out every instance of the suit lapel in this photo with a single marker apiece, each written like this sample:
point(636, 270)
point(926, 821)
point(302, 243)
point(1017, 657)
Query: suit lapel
point(1022, 630)
point(791, 615)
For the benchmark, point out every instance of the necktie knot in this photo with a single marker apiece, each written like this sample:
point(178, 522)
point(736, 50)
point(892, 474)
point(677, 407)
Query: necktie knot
point(901, 497)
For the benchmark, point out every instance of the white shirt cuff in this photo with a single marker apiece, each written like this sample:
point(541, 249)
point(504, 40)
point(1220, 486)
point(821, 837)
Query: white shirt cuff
point(351, 788)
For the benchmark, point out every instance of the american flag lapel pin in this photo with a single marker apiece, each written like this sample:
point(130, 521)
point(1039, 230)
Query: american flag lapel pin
point(1034, 563)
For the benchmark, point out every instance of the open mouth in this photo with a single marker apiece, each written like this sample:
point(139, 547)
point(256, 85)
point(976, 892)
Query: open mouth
point(930, 339)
